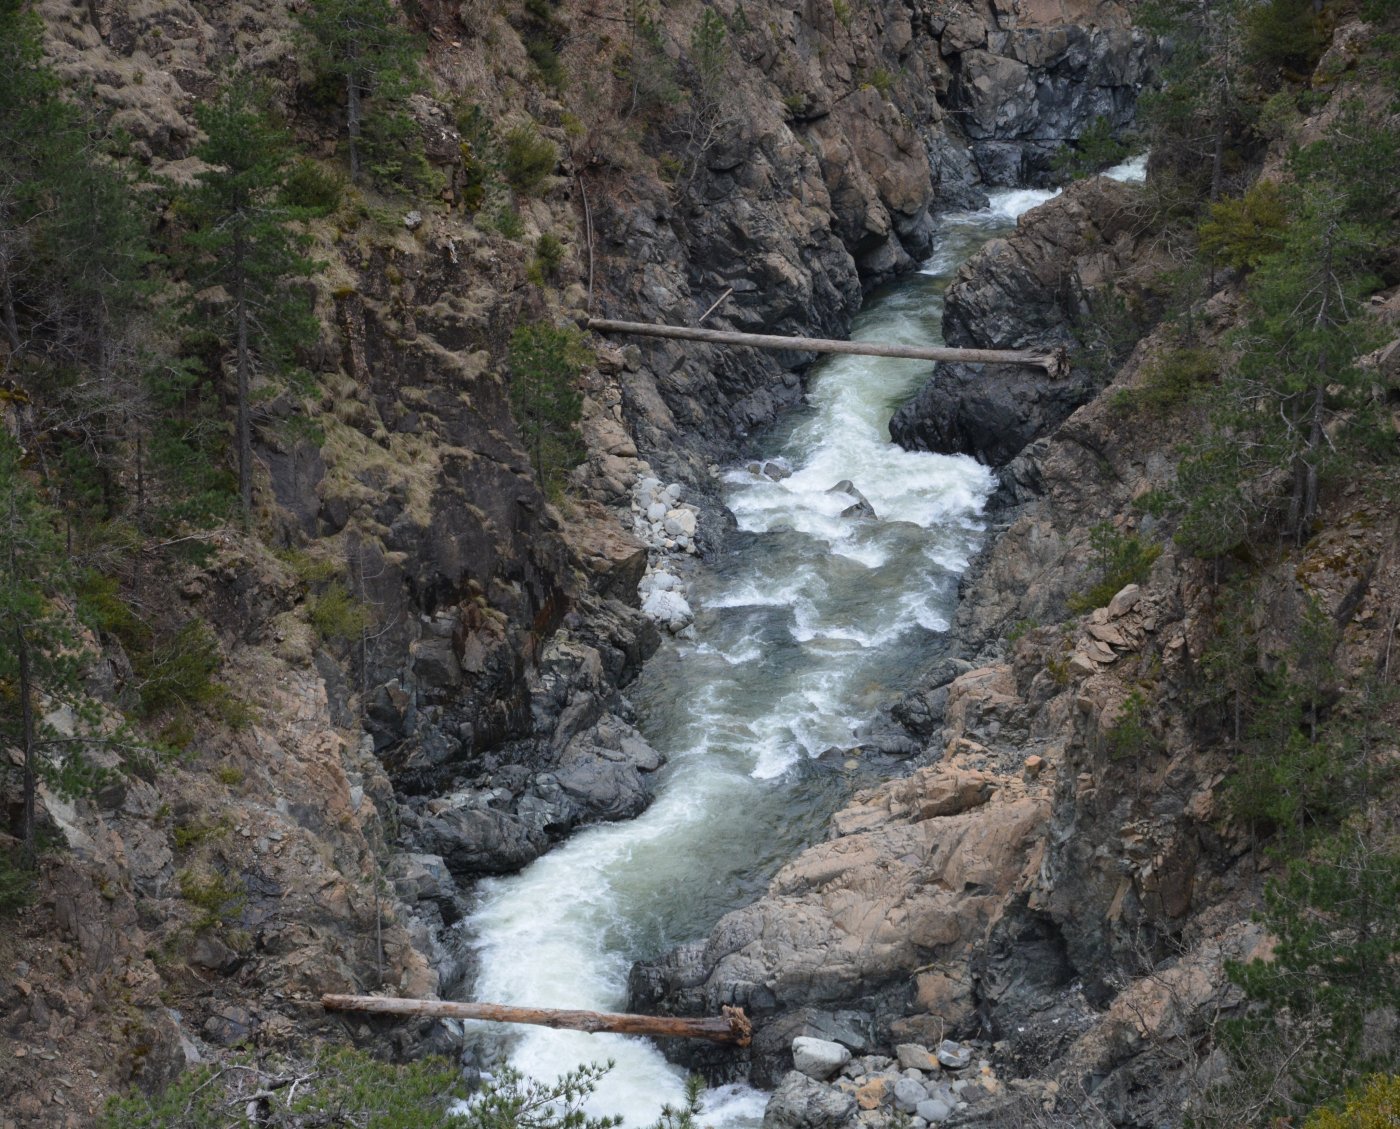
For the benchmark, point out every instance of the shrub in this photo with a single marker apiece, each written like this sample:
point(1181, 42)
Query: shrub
point(16, 882)
point(882, 81)
point(335, 614)
point(179, 671)
point(1242, 233)
point(347, 1087)
point(1093, 151)
point(313, 188)
point(527, 159)
point(1122, 558)
point(1373, 1106)
point(218, 898)
point(1169, 382)
point(549, 256)
point(505, 220)
point(1131, 735)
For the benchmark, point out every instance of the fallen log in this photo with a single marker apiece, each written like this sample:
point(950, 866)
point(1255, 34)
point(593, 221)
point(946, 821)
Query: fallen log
point(1055, 363)
point(731, 1027)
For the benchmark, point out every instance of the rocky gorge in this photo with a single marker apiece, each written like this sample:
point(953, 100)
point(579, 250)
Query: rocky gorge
point(1021, 923)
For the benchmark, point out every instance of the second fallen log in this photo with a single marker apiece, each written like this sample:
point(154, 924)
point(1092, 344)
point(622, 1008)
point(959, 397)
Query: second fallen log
point(731, 1027)
point(1055, 362)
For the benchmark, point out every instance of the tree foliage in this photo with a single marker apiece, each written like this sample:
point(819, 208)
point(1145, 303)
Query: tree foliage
point(347, 1087)
point(545, 361)
point(244, 253)
point(364, 46)
point(39, 660)
point(1273, 444)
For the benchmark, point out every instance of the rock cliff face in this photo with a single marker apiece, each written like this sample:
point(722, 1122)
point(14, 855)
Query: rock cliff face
point(1029, 76)
point(853, 135)
point(1071, 268)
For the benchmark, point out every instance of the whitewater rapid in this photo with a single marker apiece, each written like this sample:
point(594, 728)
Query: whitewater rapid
point(809, 622)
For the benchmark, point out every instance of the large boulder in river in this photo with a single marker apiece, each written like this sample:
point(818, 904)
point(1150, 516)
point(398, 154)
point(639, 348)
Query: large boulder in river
point(881, 917)
point(1044, 285)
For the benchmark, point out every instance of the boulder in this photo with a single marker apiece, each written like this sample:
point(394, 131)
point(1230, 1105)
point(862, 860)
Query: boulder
point(669, 609)
point(1033, 289)
point(800, 1102)
point(818, 1058)
point(908, 1093)
point(953, 1055)
point(911, 1056)
point(933, 1111)
point(861, 509)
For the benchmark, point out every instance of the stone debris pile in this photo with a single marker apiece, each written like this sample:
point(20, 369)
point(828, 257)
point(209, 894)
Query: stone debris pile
point(828, 1088)
point(667, 526)
point(661, 519)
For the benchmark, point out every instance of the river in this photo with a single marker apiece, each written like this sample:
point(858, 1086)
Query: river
point(806, 624)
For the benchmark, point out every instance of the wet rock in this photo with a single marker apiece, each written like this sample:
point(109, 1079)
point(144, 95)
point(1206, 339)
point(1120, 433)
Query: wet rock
point(604, 789)
point(481, 841)
point(1032, 288)
point(862, 509)
point(818, 1058)
point(423, 877)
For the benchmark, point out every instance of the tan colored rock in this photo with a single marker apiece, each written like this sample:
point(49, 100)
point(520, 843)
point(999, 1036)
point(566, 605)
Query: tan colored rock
point(871, 1095)
point(1109, 636)
point(871, 904)
point(1125, 601)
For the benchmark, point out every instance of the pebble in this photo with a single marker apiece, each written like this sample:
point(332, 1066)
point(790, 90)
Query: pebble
point(895, 1092)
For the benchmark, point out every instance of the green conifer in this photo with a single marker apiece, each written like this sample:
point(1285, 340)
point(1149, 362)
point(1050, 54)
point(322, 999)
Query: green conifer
point(245, 252)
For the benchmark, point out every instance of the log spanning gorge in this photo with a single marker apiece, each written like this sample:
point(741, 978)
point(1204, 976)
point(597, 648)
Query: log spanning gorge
point(815, 615)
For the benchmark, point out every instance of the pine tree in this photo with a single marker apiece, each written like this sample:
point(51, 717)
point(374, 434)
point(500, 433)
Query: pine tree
point(29, 115)
point(74, 259)
point(364, 44)
point(37, 659)
point(243, 242)
point(544, 364)
point(1294, 375)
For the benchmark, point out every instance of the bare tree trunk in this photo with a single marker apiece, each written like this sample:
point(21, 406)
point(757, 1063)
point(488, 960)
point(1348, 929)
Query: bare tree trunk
point(732, 1027)
point(245, 428)
point(7, 310)
point(26, 713)
point(354, 115)
point(1054, 362)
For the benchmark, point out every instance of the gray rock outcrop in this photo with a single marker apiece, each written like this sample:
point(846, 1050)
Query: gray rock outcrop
point(1030, 77)
point(1044, 285)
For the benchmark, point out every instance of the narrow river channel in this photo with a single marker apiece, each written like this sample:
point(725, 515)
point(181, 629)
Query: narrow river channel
point(805, 625)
